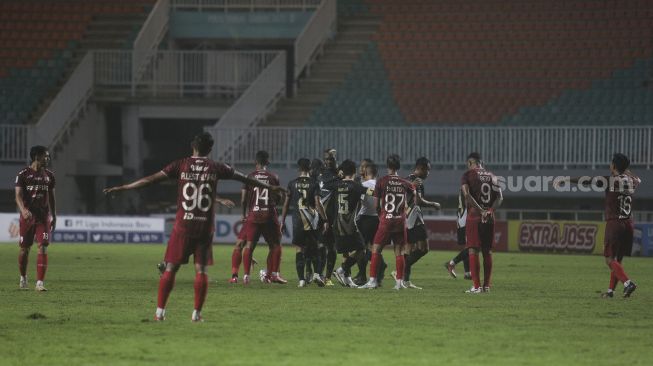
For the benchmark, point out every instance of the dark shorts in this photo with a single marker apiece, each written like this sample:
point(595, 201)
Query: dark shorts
point(327, 238)
point(304, 238)
point(34, 229)
point(461, 236)
point(271, 231)
point(367, 226)
point(181, 246)
point(479, 234)
point(618, 240)
point(349, 243)
point(418, 233)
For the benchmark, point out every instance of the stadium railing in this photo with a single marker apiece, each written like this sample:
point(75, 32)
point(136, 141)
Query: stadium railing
point(259, 100)
point(319, 28)
point(182, 73)
point(240, 5)
point(551, 147)
point(14, 143)
point(149, 37)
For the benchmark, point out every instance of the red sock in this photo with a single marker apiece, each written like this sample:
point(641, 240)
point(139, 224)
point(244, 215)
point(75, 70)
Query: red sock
point(618, 271)
point(22, 264)
point(236, 258)
point(201, 287)
point(247, 260)
point(487, 269)
point(613, 281)
point(276, 259)
point(400, 262)
point(474, 266)
point(373, 264)
point(41, 266)
point(166, 283)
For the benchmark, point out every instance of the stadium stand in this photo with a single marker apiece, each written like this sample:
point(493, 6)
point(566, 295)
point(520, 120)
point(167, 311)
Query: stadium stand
point(41, 42)
point(488, 62)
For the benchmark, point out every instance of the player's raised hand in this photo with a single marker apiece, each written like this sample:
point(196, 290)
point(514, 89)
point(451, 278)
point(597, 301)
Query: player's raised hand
point(225, 202)
point(111, 189)
point(436, 205)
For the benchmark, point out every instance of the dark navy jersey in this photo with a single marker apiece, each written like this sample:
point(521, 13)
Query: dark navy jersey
point(327, 179)
point(414, 215)
point(302, 192)
point(348, 195)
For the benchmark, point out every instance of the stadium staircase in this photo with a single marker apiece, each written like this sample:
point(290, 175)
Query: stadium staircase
point(481, 62)
point(355, 29)
point(40, 47)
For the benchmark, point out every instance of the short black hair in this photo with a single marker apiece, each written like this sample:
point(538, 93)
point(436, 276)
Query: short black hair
point(304, 165)
point(348, 167)
point(203, 143)
point(372, 169)
point(262, 157)
point(422, 162)
point(367, 161)
point(316, 167)
point(393, 162)
point(621, 162)
point(37, 150)
point(474, 156)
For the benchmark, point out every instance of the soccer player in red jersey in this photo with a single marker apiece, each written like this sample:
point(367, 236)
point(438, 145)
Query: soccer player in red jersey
point(482, 195)
point(38, 214)
point(391, 194)
point(194, 227)
point(262, 219)
point(621, 185)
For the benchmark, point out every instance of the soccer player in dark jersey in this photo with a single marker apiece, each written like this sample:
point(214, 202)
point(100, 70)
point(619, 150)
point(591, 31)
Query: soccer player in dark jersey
point(303, 194)
point(192, 233)
point(482, 195)
point(368, 222)
point(417, 237)
point(621, 186)
point(313, 257)
point(263, 220)
point(38, 214)
point(463, 255)
point(391, 194)
point(349, 241)
point(328, 177)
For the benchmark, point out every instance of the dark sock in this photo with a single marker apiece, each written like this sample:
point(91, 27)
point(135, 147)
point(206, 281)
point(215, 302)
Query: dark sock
point(332, 257)
point(407, 267)
point(319, 262)
point(300, 263)
point(347, 264)
point(362, 265)
point(462, 255)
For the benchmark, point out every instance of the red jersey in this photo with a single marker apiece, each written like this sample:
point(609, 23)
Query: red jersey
point(483, 188)
point(197, 181)
point(393, 192)
point(36, 186)
point(261, 206)
point(619, 196)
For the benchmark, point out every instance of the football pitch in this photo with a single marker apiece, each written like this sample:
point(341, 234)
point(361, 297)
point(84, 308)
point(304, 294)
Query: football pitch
point(543, 310)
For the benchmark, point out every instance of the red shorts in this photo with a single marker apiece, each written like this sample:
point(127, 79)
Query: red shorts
point(618, 240)
point(385, 235)
point(34, 229)
point(479, 234)
point(182, 245)
point(271, 231)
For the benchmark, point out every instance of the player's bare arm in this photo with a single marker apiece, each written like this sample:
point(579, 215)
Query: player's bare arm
point(21, 207)
point(225, 202)
point(52, 201)
point(471, 199)
point(284, 213)
point(419, 199)
point(143, 182)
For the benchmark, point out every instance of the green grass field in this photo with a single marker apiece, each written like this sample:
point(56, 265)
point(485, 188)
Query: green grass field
point(543, 310)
